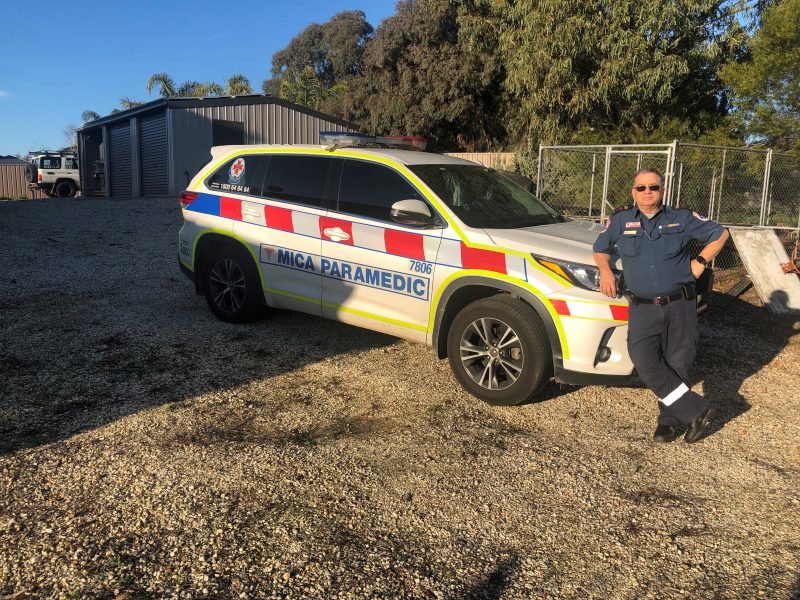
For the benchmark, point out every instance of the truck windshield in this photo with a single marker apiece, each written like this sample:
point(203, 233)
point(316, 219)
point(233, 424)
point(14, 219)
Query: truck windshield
point(482, 197)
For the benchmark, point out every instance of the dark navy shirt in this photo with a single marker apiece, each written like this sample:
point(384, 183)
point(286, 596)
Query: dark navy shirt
point(655, 251)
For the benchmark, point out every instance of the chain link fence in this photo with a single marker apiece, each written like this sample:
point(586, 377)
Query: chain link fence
point(734, 186)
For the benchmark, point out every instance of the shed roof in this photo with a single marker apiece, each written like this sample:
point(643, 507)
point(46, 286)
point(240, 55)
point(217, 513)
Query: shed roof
point(163, 103)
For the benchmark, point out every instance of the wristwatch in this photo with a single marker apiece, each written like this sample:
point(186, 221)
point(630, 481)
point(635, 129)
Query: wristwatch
point(702, 260)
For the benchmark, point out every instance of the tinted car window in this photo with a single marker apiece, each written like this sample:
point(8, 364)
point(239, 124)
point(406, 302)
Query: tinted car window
point(70, 163)
point(241, 175)
point(481, 197)
point(369, 190)
point(299, 179)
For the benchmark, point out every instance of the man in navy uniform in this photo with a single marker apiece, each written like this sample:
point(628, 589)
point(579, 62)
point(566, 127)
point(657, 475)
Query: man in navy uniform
point(652, 241)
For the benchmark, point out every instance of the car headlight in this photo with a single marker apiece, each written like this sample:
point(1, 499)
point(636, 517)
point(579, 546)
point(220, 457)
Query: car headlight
point(585, 276)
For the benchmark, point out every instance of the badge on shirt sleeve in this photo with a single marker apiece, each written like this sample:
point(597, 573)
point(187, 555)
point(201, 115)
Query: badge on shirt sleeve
point(607, 224)
point(699, 216)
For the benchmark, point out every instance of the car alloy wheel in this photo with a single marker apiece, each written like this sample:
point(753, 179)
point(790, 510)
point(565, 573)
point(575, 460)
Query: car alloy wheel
point(491, 353)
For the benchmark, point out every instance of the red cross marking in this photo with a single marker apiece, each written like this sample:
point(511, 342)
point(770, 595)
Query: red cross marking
point(237, 167)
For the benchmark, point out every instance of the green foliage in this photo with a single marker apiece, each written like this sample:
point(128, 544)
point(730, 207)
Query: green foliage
point(307, 88)
point(238, 85)
point(165, 84)
point(89, 115)
point(620, 68)
point(766, 84)
point(418, 78)
point(126, 103)
point(332, 50)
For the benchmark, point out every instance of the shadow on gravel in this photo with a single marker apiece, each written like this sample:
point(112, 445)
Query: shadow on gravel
point(737, 342)
point(496, 583)
point(97, 323)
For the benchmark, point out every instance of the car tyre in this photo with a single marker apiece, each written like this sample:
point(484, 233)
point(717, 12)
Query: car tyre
point(498, 351)
point(65, 189)
point(231, 285)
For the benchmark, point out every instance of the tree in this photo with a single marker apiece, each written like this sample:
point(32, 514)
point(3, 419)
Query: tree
point(238, 85)
point(89, 115)
point(420, 78)
point(334, 50)
point(307, 89)
point(766, 84)
point(621, 68)
point(71, 137)
point(126, 103)
point(195, 89)
point(165, 83)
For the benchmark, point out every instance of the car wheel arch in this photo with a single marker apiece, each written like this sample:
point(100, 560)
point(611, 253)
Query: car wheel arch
point(465, 290)
point(207, 243)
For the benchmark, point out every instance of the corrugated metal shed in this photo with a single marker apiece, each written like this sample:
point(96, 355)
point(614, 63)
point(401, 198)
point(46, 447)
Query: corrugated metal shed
point(12, 180)
point(156, 148)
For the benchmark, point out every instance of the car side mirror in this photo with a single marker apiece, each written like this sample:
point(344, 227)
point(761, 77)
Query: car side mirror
point(413, 212)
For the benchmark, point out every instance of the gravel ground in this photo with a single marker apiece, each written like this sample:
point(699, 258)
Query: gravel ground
point(150, 450)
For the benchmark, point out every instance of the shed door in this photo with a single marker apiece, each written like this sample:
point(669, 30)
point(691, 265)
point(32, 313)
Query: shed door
point(153, 157)
point(120, 155)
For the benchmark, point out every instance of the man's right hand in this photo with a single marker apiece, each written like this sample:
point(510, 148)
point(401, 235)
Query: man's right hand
point(608, 283)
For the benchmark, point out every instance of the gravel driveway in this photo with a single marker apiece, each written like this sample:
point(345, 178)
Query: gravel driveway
point(149, 450)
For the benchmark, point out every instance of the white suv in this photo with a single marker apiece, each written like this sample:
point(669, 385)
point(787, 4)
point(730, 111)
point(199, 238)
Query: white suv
point(55, 173)
point(426, 247)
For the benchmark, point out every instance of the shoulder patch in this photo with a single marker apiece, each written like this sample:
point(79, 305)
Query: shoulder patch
point(606, 225)
point(699, 216)
point(621, 208)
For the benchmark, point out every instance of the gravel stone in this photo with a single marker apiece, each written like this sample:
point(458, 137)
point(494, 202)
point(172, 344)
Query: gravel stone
point(149, 450)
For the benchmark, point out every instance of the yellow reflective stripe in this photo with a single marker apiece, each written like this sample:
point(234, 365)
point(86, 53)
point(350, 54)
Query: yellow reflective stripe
point(562, 338)
point(346, 309)
point(236, 237)
point(544, 270)
point(376, 317)
point(432, 198)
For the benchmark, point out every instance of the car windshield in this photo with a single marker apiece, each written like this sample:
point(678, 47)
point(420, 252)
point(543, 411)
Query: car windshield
point(482, 197)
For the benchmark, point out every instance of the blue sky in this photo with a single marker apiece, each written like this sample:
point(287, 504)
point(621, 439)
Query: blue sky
point(58, 59)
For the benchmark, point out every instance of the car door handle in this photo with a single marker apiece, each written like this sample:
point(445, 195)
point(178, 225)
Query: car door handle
point(336, 234)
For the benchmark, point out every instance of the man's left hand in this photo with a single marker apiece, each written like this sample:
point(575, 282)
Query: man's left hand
point(697, 269)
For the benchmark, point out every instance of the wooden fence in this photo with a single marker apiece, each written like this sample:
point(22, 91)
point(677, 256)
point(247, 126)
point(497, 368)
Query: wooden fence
point(495, 160)
point(13, 184)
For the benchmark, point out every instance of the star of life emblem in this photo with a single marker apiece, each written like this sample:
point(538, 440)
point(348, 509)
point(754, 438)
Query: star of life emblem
point(236, 172)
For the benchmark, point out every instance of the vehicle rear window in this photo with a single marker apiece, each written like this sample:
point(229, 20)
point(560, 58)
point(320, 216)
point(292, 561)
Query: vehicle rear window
point(299, 179)
point(71, 163)
point(50, 162)
point(369, 190)
point(240, 175)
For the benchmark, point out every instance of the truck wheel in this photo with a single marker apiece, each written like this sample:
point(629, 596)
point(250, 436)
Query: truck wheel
point(498, 351)
point(231, 285)
point(65, 189)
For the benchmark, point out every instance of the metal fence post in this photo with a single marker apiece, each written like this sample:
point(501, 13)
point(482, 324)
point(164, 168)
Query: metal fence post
point(669, 176)
point(606, 175)
point(539, 172)
point(765, 188)
point(591, 187)
point(721, 182)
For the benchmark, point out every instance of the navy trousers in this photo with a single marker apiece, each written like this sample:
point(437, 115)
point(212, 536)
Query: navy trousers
point(662, 341)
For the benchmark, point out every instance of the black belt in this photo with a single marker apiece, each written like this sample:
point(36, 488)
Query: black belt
point(687, 292)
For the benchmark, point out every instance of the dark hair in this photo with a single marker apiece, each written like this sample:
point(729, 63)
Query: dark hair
point(647, 170)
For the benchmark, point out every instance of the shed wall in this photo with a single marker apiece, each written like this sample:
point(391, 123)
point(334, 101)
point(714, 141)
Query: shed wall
point(263, 124)
point(13, 184)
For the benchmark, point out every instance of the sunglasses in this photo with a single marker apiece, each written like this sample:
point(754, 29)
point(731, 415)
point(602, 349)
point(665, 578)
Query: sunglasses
point(653, 188)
